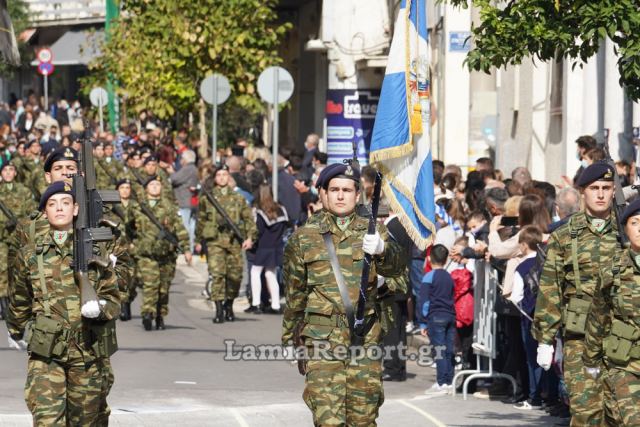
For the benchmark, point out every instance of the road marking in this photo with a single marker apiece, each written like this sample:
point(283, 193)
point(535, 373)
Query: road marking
point(238, 417)
point(423, 413)
point(185, 382)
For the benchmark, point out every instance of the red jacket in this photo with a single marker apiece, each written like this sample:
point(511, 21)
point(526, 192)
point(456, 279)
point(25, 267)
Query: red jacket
point(463, 295)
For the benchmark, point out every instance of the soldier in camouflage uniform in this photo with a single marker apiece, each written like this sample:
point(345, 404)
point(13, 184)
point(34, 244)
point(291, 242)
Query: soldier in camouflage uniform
point(224, 256)
point(69, 343)
point(123, 212)
point(571, 274)
point(32, 171)
point(339, 391)
point(19, 200)
point(104, 176)
point(154, 254)
point(612, 343)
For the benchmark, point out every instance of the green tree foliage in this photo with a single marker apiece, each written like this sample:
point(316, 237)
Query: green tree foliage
point(546, 29)
point(19, 13)
point(159, 51)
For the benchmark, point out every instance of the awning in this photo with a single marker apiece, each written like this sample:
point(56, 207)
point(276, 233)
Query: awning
point(75, 48)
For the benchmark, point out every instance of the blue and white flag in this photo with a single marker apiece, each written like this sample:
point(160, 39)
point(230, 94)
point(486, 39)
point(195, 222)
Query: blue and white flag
point(400, 145)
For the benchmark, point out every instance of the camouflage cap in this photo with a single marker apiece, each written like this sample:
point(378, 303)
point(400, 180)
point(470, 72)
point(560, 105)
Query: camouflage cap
point(59, 154)
point(56, 188)
point(598, 171)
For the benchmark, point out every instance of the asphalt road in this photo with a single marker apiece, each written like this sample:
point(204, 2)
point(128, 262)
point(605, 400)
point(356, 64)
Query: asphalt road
point(180, 377)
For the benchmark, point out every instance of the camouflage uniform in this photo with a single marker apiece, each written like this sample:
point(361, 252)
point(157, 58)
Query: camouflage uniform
point(617, 301)
point(34, 177)
point(155, 256)
point(69, 387)
point(338, 392)
point(557, 287)
point(224, 251)
point(127, 284)
point(19, 201)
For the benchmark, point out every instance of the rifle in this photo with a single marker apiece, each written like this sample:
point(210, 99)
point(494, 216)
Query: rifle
point(12, 220)
point(359, 330)
point(362, 209)
point(619, 201)
point(234, 228)
point(89, 226)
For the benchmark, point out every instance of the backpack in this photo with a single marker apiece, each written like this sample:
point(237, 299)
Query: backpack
point(532, 280)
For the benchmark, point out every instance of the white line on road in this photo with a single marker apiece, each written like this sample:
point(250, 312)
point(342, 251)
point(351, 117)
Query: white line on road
point(185, 382)
point(423, 413)
point(238, 417)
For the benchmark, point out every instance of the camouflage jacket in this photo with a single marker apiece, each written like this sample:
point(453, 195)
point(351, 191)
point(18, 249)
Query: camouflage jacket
point(311, 290)
point(108, 173)
point(147, 238)
point(138, 189)
point(27, 293)
point(19, 200)
point(34, 178)
point(618, 298)
point(557, 281)
point(212, 227)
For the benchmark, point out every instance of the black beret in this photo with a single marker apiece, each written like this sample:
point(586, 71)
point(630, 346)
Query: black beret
point(151, 158)
point(55, 188)
point(598, 171)
point(152, 178)
point(30, 141)
point(340, 170)
point(222, 167)
point(123, 181)
point(5, 164)
point(321, 177)
point(632, 209)
point(98, 143)
point(60, 153)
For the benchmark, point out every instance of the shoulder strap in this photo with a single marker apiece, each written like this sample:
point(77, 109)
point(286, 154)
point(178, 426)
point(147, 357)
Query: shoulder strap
point(574, 258)
point(344, 293)
point(43, 282)
point(615, 289)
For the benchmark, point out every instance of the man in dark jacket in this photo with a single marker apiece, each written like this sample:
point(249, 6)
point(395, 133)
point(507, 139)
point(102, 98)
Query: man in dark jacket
point(184, 182)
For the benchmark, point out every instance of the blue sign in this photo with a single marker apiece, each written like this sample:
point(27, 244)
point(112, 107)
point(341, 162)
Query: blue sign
point(350, 115)
point(45, 68)
point(459, 41)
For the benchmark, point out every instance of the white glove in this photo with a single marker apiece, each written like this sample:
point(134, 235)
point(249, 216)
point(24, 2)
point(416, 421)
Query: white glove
point(114, 260)
point(20, 345)
point(90, 309)
point(593, 372)
point(373, 244)
point(381, 281)
point(545, 356)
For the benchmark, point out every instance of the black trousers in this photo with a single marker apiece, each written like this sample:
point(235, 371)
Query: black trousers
point(394, 366)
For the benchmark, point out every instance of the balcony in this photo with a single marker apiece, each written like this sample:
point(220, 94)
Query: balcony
point(46, 13)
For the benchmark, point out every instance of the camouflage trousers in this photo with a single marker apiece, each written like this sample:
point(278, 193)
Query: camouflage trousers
point(341, 393)
point(585, 393)
point(4, 270)
point(129, 292)
point(156, 276)
point(621, 397)
point(225, 268)
point(71, 393)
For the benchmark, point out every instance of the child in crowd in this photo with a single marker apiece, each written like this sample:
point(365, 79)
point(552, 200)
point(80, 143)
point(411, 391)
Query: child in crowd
point(438, 317)
point(462, 271)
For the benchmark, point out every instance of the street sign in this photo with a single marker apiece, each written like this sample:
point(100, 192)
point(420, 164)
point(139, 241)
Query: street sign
point(98, 97)
point(44, 55)
point(45, 68)
point(215, 87)
point(272, 80)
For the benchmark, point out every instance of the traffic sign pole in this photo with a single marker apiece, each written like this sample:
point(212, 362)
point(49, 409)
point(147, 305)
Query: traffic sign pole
point(100, 114)
point(46, 92)
point(214, 130)
point(276, 113)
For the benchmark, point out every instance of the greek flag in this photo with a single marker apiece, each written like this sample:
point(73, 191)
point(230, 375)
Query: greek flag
point(400, 145)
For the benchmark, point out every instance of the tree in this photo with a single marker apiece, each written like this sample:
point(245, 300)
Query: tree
point(19, 13)
point(547, 29)
point(159, 51)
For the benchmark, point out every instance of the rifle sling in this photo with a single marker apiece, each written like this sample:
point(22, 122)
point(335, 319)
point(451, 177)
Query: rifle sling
point(149, 214)
point(342, 286)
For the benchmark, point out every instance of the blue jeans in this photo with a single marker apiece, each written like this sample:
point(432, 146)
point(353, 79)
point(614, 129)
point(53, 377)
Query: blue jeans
point(442, 331)
point(534, 370)
point(416, 273)
point(189, 222)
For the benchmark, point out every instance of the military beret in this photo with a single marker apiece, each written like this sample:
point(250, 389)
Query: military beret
point(340, 170)
point(151, 179)
point(151, 158)
point(321, 177)
point(123, 181)
point(55, 188)
point(598, 171)
point(5, 164)
point(632, 209)
point(222, 167)
point(59, 154)
point(30, 141)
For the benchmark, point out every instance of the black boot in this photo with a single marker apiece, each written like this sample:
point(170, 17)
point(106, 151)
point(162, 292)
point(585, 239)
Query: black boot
point(125, 311)
point(160, 323)
point(219, 318)
point(4, 308)
point(228, 310)
point(147, 319)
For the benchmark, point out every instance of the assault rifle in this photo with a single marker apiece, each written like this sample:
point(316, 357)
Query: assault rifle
point(362, 209)
point(89, 226)
point(232, 225)
point(12, 220)
point(359, 327)
point(619, 201)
